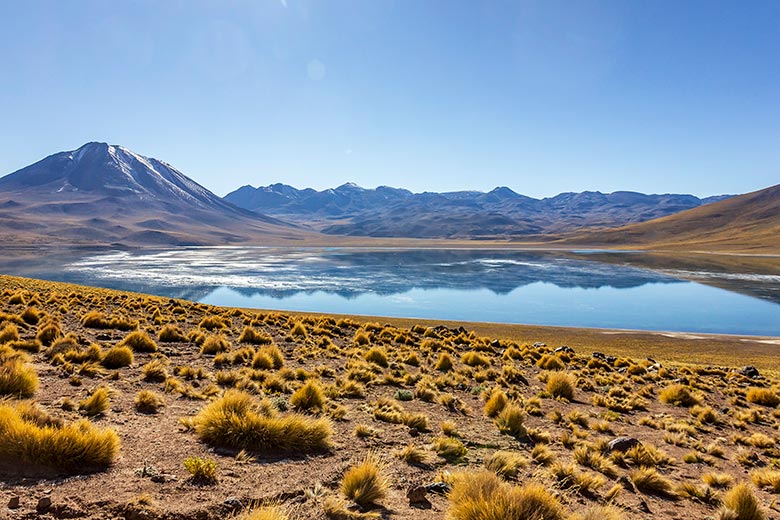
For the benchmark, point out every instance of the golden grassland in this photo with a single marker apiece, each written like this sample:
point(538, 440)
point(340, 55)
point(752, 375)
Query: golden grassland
point(171, 409)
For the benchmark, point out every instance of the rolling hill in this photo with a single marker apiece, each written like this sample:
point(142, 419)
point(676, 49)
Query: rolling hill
point(500, 213)
point(107, 194)
point(745, 223)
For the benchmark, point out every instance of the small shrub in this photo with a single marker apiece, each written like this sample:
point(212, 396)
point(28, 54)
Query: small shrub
point(444, 364)
point(155, 371)
point(268, 357)
point(449, 449)
point(550, 362)
point(266, 513)
point(496, 403)
point(118, 357)
point(148, 402)
point(203, 471)
point(475, 359)
point(251, 336)
point(412, 454)
point(365, 483)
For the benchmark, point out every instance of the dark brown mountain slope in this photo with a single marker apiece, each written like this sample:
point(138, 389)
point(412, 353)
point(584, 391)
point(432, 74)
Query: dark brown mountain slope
point(746, 223)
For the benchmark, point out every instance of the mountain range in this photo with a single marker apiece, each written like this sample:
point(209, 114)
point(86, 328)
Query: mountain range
point(101, 194)
point(392, 212)
point(105, 194)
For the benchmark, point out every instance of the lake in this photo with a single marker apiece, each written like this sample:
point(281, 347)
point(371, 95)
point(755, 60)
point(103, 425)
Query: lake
point(578, 289)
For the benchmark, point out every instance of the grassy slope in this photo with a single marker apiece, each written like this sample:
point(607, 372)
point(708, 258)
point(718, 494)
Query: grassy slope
point(621, 398)
point(746, 223)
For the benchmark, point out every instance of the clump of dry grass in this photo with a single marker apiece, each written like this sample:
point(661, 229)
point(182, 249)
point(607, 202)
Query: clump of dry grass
point(495, 403)
point(506, 464)
point(648, 480)
point(740, 503)
point(73, 447)
point(678, 395)
point(214, 345)
point(97, 403)
point(510, 421)
point(17, 378)
point(266, 513)
point(560, 385)
point(482, 495)
point(251, 336)
point(308, 397)
point(118, 357)
point(139, 341)
point(762, 396)
point(448, 448)
point(365, 484)
point(268, 357)
point(171, 334)
point(148, 402)
point(237, 421)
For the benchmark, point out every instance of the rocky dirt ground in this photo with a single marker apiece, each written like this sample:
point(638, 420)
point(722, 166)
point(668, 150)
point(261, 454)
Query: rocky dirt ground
point(696, 430)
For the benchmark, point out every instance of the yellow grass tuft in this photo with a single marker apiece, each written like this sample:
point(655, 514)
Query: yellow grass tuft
point(97, 403)
point(482, 495)
point(17, 378)
point(148, 402)
point(236, 421)
point(740, 503)
point(678, 395)
point(560, 385)
point(139, 341)
point(74, 447)
point(365, 483)
point(118, 357)
point(763, 396)
point(266, 513)
point(308, 397)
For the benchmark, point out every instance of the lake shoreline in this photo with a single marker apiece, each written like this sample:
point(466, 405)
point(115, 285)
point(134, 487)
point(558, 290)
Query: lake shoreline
point(676, 347)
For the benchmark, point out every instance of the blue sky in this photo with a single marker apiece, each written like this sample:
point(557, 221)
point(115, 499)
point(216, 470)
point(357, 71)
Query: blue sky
point(541, 96)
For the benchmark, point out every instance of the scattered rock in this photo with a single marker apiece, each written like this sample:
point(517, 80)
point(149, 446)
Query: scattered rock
point(627, 484)
point(416, 496)
point(440, 488)
point(539, 344)
point(599, 355)
point(565, 348)
point(622, 444)
point(14, 503)
point(610, 359)
point(750, 371)
point(233, 503)
point(43, 505)
point(495, 343)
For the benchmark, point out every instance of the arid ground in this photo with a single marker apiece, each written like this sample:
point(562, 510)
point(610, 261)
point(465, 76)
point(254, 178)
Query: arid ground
point(348, 417)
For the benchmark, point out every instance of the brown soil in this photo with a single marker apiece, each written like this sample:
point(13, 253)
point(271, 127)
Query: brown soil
point(303, 483)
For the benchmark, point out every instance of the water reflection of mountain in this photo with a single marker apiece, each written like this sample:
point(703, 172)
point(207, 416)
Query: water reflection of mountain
point(194, 273)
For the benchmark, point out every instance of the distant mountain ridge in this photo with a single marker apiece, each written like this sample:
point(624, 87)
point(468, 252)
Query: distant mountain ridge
point(744, 223)
point(501, 212)
point(101, 193)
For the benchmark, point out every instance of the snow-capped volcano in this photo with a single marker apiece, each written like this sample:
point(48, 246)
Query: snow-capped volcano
point(111, 170)
point(110, 193)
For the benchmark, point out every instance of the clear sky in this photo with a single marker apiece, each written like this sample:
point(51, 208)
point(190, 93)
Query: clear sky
point(541, 96)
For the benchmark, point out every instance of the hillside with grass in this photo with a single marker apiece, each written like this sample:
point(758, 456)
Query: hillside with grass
point(122, 405)
point(748, 223)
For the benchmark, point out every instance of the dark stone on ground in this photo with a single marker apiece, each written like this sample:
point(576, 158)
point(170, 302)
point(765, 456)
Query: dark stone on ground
point(622, 444)
point(43, 505)
point(750, 371)
point(14, 503)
